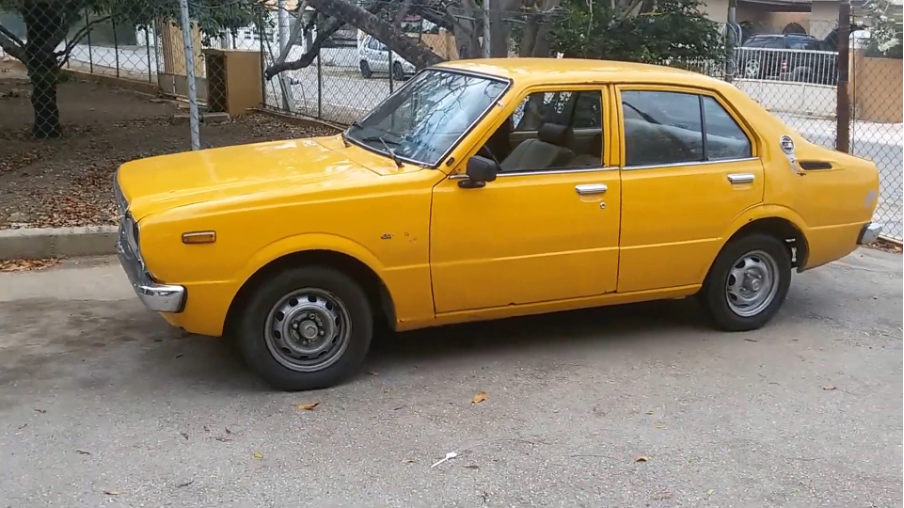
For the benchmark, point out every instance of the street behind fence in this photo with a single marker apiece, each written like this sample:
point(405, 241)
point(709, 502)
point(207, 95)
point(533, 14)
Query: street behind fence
point(797, 80)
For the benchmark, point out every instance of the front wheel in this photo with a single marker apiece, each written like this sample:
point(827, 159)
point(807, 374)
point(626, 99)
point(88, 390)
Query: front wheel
point(748, 283)
point(306, 328)
point(366, 73)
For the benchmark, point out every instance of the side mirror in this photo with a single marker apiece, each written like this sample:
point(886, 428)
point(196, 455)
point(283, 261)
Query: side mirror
point(480, 170)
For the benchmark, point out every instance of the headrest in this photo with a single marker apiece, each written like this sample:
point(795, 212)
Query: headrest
point(555, 134)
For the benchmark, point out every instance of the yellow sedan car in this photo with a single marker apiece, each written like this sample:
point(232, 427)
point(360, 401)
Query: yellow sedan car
point(488, 189)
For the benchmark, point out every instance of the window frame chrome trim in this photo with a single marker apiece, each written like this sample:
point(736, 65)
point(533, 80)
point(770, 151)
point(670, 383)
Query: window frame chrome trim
point(463, 176)
point(689, 163)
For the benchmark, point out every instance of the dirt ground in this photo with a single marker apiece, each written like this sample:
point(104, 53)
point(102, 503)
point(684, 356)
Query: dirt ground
point(68, 181)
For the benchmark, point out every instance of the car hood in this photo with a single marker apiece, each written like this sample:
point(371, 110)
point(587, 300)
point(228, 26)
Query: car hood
point(169, 181)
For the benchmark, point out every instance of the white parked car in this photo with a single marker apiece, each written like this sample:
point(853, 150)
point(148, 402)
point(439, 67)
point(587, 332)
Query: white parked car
point(375, 58)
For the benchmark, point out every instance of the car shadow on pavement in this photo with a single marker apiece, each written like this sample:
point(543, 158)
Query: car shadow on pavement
point(538, 335)
point(122, 347)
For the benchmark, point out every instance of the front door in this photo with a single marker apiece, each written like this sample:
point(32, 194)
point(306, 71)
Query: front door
point(690, 168)
point(547, 229)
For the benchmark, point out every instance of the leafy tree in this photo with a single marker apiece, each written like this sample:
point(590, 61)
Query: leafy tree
point(54, 27)
point(885, 33)
point(655, 31)
point(664, 31)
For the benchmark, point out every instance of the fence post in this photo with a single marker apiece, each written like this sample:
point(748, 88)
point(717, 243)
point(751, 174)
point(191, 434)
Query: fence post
point(487, 51)
point(115, 44)
point(319, 86)
point(843, 100)
point(90, 51)
point(391, 77)
point(190, 72)
point(147, 45)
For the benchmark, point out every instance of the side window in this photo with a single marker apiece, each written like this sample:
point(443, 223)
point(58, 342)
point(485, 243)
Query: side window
point(662, 128)
point(551, 130)
point(724, 137)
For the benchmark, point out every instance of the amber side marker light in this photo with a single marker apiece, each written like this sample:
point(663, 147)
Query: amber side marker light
point(199, 237)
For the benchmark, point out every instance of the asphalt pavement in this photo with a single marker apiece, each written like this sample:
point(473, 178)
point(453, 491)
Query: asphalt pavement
point(102, 404)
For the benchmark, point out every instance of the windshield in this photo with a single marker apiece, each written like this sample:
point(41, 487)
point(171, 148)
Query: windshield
point(425, 118)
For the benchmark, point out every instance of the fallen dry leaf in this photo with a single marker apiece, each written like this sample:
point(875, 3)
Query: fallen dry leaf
point(25, 265)
point(642, 459)
point(258, 455)
point(660, 425)
point(479, 397)
point(307, 407)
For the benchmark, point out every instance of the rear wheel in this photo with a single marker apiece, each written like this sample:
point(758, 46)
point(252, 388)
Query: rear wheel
point(398, 73)
point(306, 328)
point(748, 283)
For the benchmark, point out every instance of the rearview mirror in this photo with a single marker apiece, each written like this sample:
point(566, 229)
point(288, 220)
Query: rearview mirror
point(480, 170)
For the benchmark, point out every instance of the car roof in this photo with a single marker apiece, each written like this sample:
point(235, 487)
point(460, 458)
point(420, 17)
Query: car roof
point(531, 71)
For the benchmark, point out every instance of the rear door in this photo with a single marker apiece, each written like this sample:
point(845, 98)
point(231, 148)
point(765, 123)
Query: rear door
point(689, 167)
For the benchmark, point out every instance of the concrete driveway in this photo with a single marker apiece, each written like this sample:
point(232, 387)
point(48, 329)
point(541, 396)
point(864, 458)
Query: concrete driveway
point(102, 404)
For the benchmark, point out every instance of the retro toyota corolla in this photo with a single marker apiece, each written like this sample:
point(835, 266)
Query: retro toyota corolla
point(487, 189)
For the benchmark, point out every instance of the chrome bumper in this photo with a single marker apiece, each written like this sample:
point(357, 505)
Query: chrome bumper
point(156, 297)
point(869, 233)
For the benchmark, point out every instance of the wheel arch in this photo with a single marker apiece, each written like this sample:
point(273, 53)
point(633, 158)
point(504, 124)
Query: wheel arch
point(378, 293)
point(783, 229)
point(778, 222)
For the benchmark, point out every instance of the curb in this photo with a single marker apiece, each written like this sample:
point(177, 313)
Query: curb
point(40, 243)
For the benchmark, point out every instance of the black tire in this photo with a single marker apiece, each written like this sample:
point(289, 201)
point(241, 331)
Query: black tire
point(256, 348)
point(714, 297)
point(366, 73)
point(398, 73)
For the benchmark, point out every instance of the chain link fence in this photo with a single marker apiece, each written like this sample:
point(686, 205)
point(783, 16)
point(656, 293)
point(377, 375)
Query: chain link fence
point(790, 69)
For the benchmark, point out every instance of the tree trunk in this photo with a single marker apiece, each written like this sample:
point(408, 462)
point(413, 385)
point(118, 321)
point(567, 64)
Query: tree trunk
point(43, 25)
point(44, 102)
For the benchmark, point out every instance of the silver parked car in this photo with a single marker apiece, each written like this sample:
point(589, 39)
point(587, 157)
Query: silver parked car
point(375, 58)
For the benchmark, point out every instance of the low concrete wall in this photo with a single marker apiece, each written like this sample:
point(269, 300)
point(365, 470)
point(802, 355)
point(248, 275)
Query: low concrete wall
point(129, 84)
point(792, 97)
point(54, 243)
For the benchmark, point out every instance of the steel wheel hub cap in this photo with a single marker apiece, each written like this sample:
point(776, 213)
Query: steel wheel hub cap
point(308, 330)
point(752, 283)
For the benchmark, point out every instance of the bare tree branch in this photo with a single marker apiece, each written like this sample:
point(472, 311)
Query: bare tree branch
point(81, 34)
point(419, 55)
point(12, 45)
point(71, 12)
point(323, 33)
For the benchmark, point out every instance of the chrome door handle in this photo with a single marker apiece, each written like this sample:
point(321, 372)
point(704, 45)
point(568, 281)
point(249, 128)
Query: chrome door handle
point(741, 178)
point(591, 188)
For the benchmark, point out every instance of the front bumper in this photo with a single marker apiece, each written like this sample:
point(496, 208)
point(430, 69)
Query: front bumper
point(869, 233)
point(156, 297)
